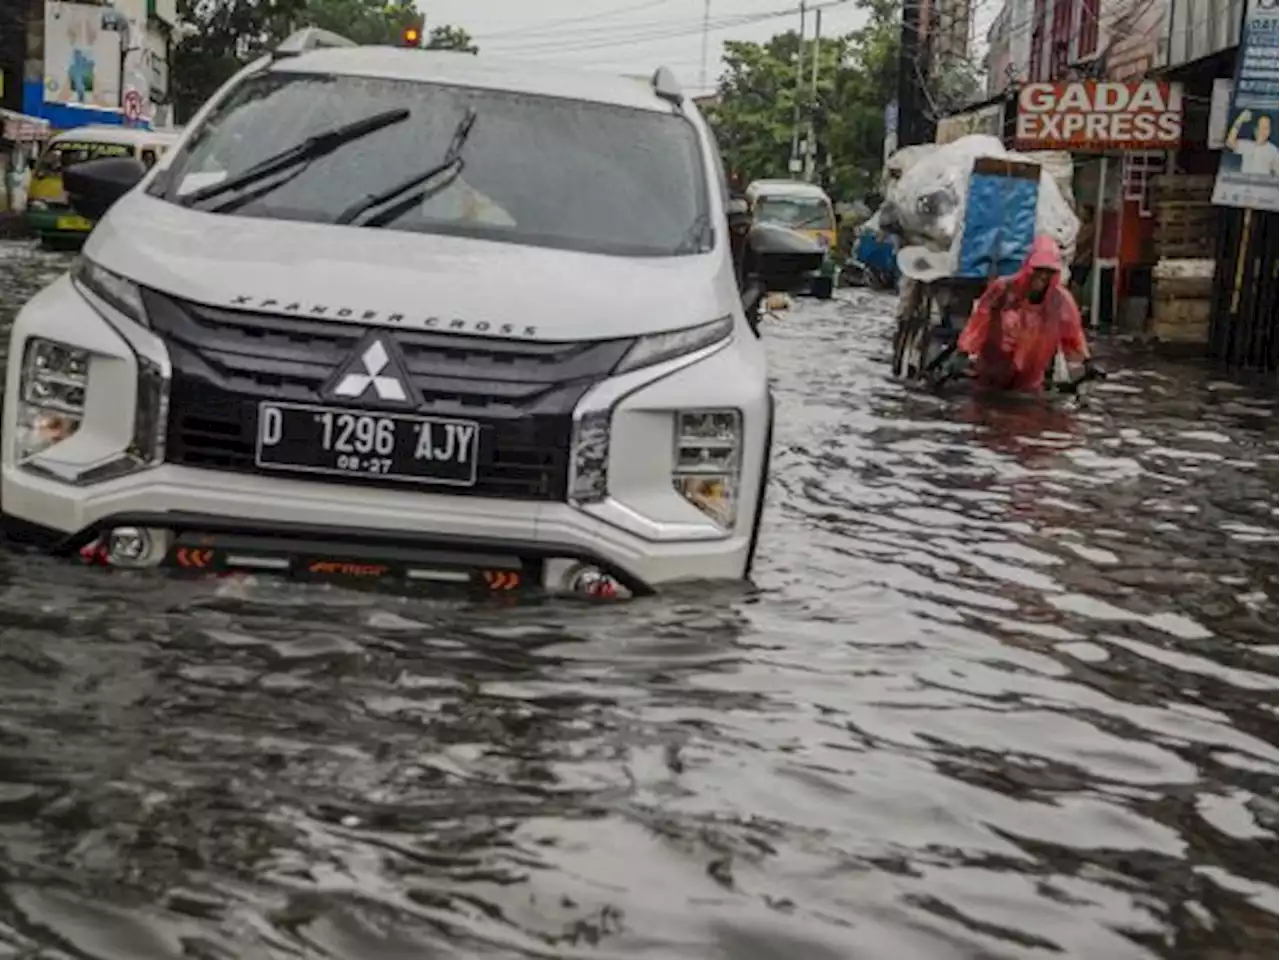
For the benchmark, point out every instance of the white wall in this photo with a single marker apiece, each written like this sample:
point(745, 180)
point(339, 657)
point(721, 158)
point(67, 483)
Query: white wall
point(1020, 28)
point(1198, 28)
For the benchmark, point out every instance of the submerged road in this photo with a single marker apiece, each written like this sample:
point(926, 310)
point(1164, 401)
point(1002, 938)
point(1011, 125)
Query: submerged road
point(1008, 689)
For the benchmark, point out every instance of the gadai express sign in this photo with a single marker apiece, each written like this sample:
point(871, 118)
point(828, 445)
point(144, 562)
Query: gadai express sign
point(1101, 117)
point(1097, 116)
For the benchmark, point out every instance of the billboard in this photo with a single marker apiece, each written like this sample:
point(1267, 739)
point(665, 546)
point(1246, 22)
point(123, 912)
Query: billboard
point(1247, 175)
point(1096, 116)
point(81, 59)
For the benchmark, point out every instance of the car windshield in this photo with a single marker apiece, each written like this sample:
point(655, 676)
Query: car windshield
point(68, 153)
point(537, 170)
point(811, 212)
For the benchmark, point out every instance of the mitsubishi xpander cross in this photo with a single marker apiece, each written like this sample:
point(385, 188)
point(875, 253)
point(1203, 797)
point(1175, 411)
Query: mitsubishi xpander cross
point(390, 313)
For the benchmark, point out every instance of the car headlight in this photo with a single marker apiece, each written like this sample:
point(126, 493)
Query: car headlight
point(55, 380)
point(708, 461)
point(51, 394)
point(657, 347)
point(111, 288)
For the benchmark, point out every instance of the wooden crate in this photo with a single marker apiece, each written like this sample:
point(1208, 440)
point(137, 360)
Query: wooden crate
point(1182, 186)
point(1181, 332)
point(1174, 213)
point(1181, 312)
point(1183, 241)
point(1183, 288)
point(1181, 321)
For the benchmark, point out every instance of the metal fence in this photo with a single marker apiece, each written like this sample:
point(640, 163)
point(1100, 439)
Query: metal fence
point(1244, 331)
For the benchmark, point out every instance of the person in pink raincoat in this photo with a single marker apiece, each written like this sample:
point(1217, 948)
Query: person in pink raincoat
point(1021, 322)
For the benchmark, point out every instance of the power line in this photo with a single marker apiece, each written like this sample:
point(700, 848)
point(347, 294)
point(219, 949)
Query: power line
point(664, 31)
point(546, 25)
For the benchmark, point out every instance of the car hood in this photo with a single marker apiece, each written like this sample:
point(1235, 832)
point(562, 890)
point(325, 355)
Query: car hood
point(409, 280)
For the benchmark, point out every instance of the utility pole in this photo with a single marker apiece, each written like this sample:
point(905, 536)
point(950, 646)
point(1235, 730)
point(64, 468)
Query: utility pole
point(795, 123)
point(706, 30)
point(811, 153)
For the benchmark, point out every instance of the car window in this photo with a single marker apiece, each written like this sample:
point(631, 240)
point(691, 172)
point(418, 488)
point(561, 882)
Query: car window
point(539, 170)
point(68, 153)
point(811, 212)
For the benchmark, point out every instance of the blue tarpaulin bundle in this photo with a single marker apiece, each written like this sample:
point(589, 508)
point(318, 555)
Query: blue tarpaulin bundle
point(999, 218)
point(876, 253)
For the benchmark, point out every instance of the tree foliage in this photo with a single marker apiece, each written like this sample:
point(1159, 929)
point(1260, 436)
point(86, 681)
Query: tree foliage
point(857, 77)
point(224, 35)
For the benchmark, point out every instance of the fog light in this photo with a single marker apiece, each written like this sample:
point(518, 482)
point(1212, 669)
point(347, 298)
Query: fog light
point(589, 458)
point(708, 462)
point(131, 547)
point(50, 396)
point(127, 545)
point(589, 581)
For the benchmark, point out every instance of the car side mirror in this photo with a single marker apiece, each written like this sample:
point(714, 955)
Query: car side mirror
point(93, 186)
point(781, 260)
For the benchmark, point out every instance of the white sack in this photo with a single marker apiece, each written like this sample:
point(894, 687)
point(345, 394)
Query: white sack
point(925, 206)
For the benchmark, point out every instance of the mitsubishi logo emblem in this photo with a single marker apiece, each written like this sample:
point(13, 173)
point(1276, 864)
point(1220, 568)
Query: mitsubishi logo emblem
point(375, 366)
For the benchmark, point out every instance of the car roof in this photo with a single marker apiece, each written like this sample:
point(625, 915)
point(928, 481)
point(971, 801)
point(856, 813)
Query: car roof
point(109, 133)
point(476, 70)
point(783, 188)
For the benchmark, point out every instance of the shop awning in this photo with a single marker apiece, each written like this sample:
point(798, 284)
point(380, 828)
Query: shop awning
point(20, 128)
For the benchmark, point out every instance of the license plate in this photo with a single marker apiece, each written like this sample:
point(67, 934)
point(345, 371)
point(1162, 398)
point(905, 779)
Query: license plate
point(440, 451)
point(73, 222)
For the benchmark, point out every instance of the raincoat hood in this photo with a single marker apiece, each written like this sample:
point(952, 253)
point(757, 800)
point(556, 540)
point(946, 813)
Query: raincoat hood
point(1043, 255)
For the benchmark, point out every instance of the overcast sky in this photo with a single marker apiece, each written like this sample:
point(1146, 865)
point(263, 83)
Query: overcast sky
point(629, 36)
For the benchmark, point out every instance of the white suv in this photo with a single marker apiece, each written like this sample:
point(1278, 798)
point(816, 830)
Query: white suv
point(387, 313)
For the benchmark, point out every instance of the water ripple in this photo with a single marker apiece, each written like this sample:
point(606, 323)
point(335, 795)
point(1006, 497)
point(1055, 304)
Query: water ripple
point(1007, 688)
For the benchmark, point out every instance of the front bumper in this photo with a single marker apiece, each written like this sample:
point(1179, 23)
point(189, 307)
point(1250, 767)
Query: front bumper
point(57, 223)
point(643, 534)
point(205, 522)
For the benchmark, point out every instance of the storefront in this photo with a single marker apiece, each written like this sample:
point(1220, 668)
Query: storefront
point(21, 138)
point(1119, 134)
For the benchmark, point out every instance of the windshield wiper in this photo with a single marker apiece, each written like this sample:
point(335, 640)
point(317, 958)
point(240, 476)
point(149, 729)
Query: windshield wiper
point(418, 188)
point(700, 236)
point(299, 155)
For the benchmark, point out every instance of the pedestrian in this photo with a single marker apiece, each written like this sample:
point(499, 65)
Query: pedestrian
point(1021, 322)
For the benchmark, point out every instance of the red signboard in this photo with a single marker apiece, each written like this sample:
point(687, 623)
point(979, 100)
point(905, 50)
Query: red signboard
point(1093, 116)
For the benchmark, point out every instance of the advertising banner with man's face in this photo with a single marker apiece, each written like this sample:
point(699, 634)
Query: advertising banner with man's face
point(1247, 170)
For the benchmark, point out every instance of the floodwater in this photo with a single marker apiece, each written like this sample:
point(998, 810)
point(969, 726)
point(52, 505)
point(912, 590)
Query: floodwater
point(1008, 689)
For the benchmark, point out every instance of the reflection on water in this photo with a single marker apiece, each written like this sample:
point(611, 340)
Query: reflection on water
point(1008, 689)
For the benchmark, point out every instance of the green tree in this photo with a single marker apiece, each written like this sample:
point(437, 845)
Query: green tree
point(449, 37)
point(857, 77)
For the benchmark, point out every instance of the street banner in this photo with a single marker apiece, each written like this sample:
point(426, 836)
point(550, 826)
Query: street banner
point(988, 120)
point(1098, 116)
point(1247, 169)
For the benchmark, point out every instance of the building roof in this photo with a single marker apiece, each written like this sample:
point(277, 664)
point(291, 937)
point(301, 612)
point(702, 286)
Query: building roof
point(477, 70)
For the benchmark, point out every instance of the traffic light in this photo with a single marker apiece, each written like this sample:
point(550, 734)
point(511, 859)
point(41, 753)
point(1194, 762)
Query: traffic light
point(411, 36)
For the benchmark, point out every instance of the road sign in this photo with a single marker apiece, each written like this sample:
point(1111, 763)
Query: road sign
point(132, 106)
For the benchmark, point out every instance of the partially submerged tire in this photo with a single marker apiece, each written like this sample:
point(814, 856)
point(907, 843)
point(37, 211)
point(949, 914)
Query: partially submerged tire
point(823, 288)
point(909, 350)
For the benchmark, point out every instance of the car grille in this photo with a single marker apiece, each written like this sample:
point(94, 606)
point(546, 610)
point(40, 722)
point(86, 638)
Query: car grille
point(522, 393)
